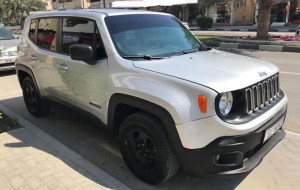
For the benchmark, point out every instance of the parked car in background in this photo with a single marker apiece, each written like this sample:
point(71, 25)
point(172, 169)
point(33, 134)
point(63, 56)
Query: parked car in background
point(8, 48)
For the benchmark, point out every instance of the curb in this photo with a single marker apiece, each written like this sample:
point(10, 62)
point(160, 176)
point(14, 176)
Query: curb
point(72, 156)
point(277, 48)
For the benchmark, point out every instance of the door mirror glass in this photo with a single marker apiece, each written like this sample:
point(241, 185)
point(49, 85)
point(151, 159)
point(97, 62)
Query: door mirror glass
point(82, 52)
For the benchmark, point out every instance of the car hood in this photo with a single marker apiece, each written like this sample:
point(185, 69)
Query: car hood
point(9, 45)
point(218, 70)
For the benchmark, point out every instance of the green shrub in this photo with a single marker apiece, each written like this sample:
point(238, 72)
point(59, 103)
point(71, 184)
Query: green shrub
point(204, 22)
point(5, 23)
point(13, 24)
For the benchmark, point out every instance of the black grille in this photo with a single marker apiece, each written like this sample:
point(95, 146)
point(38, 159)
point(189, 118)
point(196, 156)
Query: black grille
point(262, 94)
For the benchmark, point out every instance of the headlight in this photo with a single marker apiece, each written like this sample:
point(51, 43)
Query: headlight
point(12, 53)
point(225, 103)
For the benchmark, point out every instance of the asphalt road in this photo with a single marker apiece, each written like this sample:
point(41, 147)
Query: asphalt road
point(83, 134)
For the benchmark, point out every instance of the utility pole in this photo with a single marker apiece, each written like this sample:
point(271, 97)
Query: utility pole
point(104, 4)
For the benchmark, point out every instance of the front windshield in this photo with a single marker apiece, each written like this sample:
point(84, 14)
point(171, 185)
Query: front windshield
point(5, 34)
point(151, 35)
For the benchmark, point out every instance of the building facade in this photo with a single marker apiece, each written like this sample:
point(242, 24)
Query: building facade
point(79, 4)
point(49, 5)
point(245, 12)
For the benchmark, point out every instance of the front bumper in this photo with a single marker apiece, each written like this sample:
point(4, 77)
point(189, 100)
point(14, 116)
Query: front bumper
point(7, 63)
point(240, 156)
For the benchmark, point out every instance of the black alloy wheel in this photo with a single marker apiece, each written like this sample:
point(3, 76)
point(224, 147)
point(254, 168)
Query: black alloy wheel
point(146, 149)
point(34, 103)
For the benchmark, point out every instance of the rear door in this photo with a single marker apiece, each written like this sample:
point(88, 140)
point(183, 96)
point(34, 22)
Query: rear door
point(43, 52)
point(85, 84)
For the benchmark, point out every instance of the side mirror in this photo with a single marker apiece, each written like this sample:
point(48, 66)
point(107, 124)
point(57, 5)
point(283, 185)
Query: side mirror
point(82, 52)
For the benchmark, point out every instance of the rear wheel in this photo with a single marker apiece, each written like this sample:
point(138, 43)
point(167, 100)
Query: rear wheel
point(34, 103)
point(146, 148)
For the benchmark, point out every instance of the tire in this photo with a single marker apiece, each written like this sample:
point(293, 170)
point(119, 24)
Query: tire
point(34, 103)
point(146, 149)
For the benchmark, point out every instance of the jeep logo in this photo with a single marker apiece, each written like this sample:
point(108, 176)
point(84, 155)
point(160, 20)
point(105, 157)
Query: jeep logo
point(261, 74)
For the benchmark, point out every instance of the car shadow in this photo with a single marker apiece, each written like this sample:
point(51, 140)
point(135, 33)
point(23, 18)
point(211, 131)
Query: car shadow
point(7, 73)
point(85, 135)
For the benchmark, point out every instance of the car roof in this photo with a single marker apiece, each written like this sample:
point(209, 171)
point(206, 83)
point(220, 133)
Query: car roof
point(86, 12)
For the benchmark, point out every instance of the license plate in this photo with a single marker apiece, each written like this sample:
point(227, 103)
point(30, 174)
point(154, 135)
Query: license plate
point(9, 60)
point(272, 130)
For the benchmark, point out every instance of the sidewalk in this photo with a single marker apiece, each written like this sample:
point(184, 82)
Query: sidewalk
point(31, 159)
point(279, 170)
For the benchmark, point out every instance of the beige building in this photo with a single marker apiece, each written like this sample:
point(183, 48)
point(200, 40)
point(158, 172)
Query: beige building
point(245, 12)
point(49, 5)
point(80, 4)
point(242, 11)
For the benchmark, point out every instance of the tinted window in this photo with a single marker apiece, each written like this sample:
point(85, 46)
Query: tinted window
point(100, 51)
point(32, 29)
point(81, 31)
point(5, 34)
point(154, 35)
point(47, 29)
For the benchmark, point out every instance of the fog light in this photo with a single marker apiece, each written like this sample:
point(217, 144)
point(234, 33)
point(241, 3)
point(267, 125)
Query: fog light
point(229, 159)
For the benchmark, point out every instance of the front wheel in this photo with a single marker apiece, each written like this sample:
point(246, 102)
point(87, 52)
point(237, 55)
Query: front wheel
point(34, 103)
point(146, 148)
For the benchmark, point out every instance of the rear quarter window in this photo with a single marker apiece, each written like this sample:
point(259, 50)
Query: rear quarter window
point(32, 30)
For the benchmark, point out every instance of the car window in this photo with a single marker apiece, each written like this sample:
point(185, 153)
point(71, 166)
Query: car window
point(81, 31)
point(99, 46)
point(32, 29)
point(47, 29)
point(161, 35)
point(5, 34)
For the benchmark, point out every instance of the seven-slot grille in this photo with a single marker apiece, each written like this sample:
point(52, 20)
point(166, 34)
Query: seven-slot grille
point(262, 94)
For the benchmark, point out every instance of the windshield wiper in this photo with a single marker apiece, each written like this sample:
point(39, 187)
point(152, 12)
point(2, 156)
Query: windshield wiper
point(146, 57)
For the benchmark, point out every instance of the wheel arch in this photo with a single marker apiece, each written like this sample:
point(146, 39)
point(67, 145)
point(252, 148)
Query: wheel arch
point(135, 104)
point(24, 71)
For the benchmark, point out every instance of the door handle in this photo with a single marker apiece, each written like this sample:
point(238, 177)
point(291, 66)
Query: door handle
point(33, 57)
point(62, 66)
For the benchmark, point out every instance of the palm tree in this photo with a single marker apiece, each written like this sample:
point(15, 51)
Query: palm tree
point(263, 22)
point(17, 9)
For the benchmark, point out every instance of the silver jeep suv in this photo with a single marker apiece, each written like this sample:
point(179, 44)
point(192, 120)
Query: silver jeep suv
point(173, 102)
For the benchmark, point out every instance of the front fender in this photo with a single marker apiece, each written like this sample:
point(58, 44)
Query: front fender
point(177, 96)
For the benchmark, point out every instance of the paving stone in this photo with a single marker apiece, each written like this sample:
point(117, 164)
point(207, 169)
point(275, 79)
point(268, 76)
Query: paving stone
point(34, 182)
point(4, 184)
point(16, 182)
